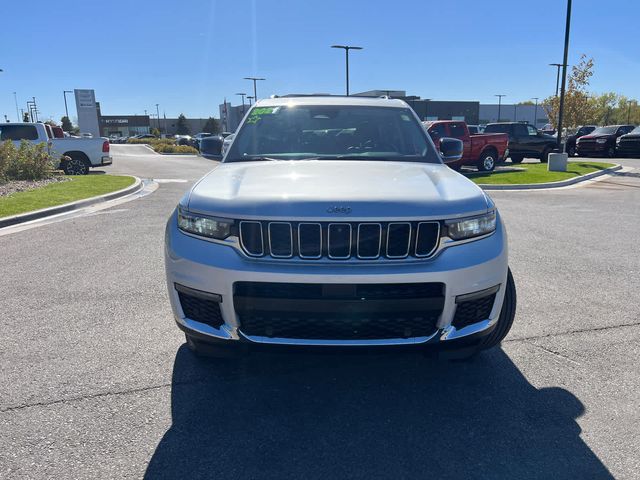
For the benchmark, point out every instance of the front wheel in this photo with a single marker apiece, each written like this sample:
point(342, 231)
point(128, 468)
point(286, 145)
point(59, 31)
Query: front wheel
point(611, 152)
point(516, 159)
point(487, 162)
point(571, 151)
point(75, 166)
point(505, 320)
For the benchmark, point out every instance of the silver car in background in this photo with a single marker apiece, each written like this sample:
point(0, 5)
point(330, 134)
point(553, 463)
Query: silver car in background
point(334, 222)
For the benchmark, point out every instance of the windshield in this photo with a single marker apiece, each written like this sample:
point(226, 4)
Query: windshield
point(332, 132)
point(604, 130)
point(635, 131)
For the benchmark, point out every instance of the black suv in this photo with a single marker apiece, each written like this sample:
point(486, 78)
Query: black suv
point(628, 145)
point(602, 141)
point(524, 141)
point(580, 132)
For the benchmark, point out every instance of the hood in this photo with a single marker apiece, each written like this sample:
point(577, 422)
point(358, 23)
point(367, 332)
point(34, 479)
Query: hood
point(306, 189)
point(631, 136)
point(601, 135)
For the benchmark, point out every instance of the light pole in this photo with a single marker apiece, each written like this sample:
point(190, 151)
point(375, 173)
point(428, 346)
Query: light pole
point(242, 95)
point(15, 99)
point(158, 113)
point(255, 90)
point(64, 94)
point(564, 73)
point(426, 108)
point(558, 66)
point(249, 97)
point(535, 114)
point(499, 104)
point(628, 111)
point(346, 49)
point(515, 112)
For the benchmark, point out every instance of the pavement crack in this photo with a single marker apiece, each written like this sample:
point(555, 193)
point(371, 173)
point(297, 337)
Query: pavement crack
point(84, 397)
point(572, 332)
point(552, 352)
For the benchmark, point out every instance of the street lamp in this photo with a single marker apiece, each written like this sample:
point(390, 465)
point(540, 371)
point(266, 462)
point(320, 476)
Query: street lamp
point(15, 99)
point(158, 113)
point(426, 108)
point(346, 49)
point(558, 66)
point(564, 73)
point(242, 95)
point(249, 97)
point(64, 94)
point(499, 104)
point(255, 90)
point(535, 114)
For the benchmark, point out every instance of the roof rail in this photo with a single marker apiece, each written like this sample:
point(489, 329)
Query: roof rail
point(293, 95)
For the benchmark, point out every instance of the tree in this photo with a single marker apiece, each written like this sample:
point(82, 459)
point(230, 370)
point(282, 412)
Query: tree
point(577, 107)
point(212, 126)
point(527, 102)
point(25, 117)
point(67, 126)
point(155, 131)
point(182, 127)
point(51, 122)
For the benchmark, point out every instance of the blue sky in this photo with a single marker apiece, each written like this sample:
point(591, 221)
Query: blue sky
point(189, 55)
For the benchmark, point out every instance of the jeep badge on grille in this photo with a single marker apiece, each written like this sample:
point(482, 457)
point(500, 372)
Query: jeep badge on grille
point(339, 210)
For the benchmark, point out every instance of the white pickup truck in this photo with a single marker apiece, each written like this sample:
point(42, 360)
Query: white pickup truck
point(83, 153)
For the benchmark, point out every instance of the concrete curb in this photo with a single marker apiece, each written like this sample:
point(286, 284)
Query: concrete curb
point(68, 207)
point(562, 183)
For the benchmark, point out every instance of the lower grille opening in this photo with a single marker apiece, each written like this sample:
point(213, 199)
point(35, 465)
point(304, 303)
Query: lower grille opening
point(335, 326)
point(201, 310)
point(338, 311)
point(473, 311)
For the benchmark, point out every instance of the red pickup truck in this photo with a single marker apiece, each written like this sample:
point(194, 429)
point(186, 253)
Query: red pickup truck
point(482, 150)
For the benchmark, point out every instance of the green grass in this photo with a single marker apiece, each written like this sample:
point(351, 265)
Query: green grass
point(78, 188)
point(537, 173)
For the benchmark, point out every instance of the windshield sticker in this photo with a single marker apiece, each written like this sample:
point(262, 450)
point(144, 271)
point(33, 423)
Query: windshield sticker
point(258, 113)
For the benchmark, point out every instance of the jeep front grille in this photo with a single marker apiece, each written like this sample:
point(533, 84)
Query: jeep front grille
point(339, 240)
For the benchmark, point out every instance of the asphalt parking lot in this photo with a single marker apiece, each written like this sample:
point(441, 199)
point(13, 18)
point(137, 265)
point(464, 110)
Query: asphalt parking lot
point(97, 383)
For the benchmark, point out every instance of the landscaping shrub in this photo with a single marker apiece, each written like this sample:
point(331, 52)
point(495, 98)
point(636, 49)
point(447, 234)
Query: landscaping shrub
point(160, 148)
point(152, 141)
point(27, 162)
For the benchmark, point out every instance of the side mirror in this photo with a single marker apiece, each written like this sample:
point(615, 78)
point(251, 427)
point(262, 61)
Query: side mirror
point(451, 149)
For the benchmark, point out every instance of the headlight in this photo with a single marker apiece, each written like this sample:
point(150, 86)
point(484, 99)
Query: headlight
point(618, 139)
point(219, 228)
point(601, 140)
point(471, 227)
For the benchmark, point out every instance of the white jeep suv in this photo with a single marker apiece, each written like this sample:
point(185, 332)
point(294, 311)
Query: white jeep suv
point(334, 221)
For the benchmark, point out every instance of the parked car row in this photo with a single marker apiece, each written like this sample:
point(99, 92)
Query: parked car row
point(603, 142)
point(525, 141)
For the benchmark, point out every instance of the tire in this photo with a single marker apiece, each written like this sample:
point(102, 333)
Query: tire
point(487, 161)
point(507, 314)
point(571, 151)
point(516, 159)
point(611, 152)
point(544, 158)
point(76, 165)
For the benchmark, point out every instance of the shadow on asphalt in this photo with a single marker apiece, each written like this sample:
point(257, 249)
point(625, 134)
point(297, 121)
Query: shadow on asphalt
point(368, 416)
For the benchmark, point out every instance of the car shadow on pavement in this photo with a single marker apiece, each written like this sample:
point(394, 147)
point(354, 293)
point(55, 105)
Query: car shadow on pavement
point(368, 416)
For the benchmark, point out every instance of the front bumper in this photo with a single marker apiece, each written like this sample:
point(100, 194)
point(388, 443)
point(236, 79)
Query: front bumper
point(592, 148)
point(215, 268)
